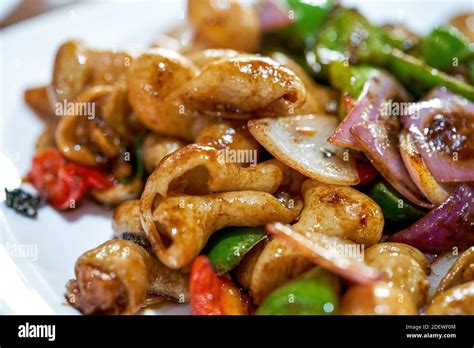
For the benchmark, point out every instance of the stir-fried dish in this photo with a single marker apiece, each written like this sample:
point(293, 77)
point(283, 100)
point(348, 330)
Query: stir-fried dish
point(273, 157)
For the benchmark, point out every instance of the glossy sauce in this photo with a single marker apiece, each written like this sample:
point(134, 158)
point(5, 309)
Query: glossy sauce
point(450, 134)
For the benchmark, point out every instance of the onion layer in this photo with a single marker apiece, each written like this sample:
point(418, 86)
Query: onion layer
point(380, 144)
point(449, 225)
point(420, 174)
point(368, 108)
point(300, 142)
point(328, 252)
point(443, 130)
point(273, 16)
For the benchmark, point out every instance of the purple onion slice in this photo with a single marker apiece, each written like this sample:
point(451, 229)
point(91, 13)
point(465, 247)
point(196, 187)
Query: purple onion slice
point(443, 130)
point(435, 192)
point(273, 16)
point(368, 108)
point(445, 227)
point(380, 144)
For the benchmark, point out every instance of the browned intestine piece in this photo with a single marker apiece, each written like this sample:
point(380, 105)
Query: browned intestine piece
point(126, 218)
point(268, 266)
point(203, 57)
point(458, 300)
point(463, 22)
point(87, 78)
point(120, 192)
point(244, 87)
point(90, 101)
point(335, 211)
point(181, 38)
point(340, 211)
point(460, 272)
point(178, 227)
point(112, 278)
point(228, 134)
point(155, 83)
point(39, 100)
point(86, 139)
point(225, 24)
point(77, 67)
point(220, 175)
point(156, 147)
point(403, 267)
point(117, 276)
point(45, 140)
point(70, 73)
point(117, 114)
point(377, 299)
point(319, 99)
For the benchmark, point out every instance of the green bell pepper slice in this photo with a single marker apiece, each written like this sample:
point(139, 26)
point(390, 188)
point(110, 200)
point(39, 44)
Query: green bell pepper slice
point(227, 247)
point(348, 36)
point(396, 210)
point(308, 18)
point(418, 76)
point(350, 79)
point(444, 44)
point(314, 293)
point(470, 70)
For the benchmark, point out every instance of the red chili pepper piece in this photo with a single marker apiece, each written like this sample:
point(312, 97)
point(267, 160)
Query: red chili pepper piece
point(64, 183)
point(212, 294)
point(366, 171)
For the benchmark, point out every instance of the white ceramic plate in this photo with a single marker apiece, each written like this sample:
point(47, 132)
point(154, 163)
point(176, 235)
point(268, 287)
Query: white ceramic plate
point(37, 256)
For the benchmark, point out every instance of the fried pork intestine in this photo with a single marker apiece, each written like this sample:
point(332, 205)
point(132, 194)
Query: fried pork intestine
point(225, 24)
point(117, 276)
point(215, 24)
point(101, 139)
point(319, 99)
point(86, 104)
point(182, 170)
point(179, 226)
point(94, 82)
point(126, 218)
point(403, 289)
point(403, 267)
point(156, 88)
point(245, 87)
point(89, 96)
point(77, 67)
point(457, 300)
point(378, 298)
point(168, 92)
point(181, 207)
point(89, 141)
point(329, 209)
